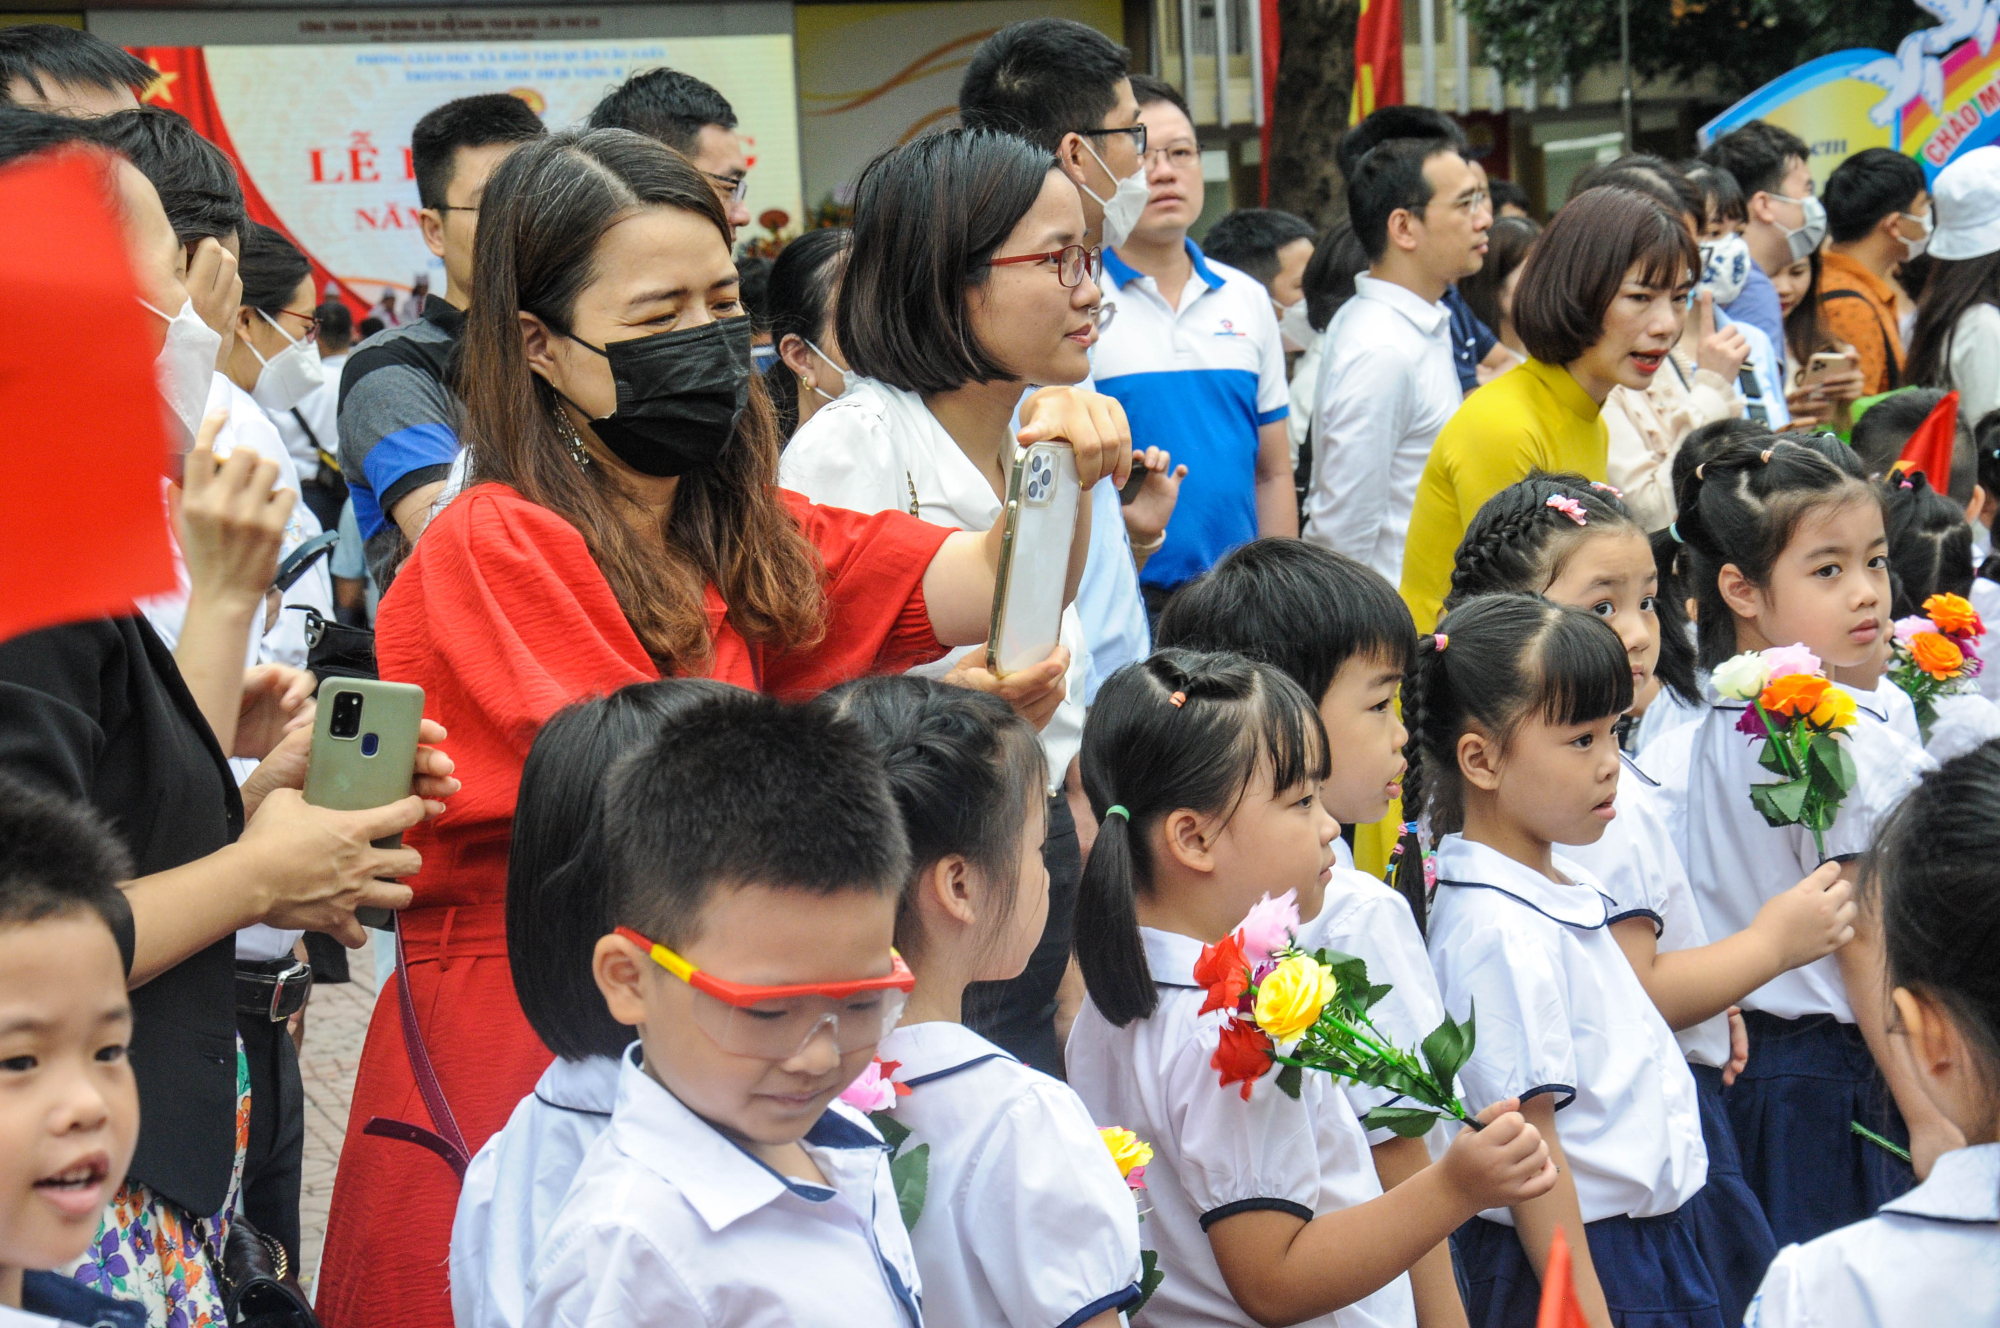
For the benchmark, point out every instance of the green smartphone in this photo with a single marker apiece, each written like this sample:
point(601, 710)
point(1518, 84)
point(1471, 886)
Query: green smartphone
point(364, 748)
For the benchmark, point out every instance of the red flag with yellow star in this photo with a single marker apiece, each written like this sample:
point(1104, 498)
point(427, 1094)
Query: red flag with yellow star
point(1378, 58)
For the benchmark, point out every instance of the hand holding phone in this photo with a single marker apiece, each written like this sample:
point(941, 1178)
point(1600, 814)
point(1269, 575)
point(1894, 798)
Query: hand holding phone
point(1039, 522)
point(364, 749)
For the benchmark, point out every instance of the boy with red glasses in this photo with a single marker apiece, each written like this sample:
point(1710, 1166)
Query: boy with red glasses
point(756, 864)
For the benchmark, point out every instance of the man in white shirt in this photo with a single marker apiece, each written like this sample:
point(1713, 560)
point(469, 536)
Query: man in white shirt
point(1387, 382)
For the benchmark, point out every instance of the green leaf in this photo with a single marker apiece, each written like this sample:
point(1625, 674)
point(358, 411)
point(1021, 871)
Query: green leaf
point(1406, 1122)
point(1350, 973)
point(1150, 1277)
point(1445, 1051)
point(1781, 804)
point(911, 1175)
point(1773, 757)
point(1290, 1080)
point(1375, 994)
point(893, 1131)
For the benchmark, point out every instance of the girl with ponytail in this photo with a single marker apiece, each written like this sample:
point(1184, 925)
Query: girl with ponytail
point(1572, 542)
point(1026, 1221)
point(1785, 545)
point(1930, 553)
point(1513, 704)
point(1265, 1207)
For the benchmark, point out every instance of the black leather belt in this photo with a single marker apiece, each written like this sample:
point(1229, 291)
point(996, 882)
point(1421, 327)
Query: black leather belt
point(275, 989)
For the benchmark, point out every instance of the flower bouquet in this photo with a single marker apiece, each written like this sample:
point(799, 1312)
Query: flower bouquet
point(1799, 714)
point(1309, 1011)
point(1935, 655)
point(1132, 1153)
point(874, 1093)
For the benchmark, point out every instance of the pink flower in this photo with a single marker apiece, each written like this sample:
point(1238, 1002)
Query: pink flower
point(873, 1090)
point(1268, 926)
point(1908, 628)
point(1569, 507)
point(1787, 660)
point(1135, 1179)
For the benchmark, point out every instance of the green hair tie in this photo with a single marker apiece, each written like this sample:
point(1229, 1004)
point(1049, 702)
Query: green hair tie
point(1115, 810)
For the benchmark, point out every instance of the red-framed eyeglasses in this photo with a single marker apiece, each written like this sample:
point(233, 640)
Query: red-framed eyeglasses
point(1072, 261)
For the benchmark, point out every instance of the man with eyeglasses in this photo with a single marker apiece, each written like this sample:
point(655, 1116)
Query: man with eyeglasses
point(1196, 356)
point(398, 416)
point(694, 120)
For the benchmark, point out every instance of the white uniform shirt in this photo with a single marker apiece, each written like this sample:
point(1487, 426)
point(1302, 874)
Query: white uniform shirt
point(1365, 918)
point(1964, 721)
point(515, 1186)
point(1738, 862)
point(1387, 384)
point(1667, 713)
point(1893, 705)
point(1026, 1221)
point(1214, 1154)
point(878, 448)
point(1926, 1259)
point(1986, 599)
point(1558, 1009)
point(671, 1224)
point(1638, 869)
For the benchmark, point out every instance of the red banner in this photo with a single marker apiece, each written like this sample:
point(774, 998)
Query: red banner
point(184, 87)
point(1378, 58)
point(1267, 11)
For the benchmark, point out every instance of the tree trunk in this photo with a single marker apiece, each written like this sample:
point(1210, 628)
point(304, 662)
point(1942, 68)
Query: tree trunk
point(1310, 105)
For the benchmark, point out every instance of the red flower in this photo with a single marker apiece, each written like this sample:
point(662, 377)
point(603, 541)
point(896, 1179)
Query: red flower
point(889, 1068)
point(1225, 971)
point(1243, 1054)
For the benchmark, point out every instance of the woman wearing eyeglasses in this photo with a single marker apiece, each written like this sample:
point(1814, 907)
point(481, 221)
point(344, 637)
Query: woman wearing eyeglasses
point(622, 522)
point(967, 282)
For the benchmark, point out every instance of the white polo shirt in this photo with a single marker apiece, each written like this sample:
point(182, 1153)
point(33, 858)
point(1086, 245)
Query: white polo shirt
point(515, 1185)
point(878, 448)
point(1365, 918)
point(1931, 1256)
point(1387, 384)
point(1199, 378)
point(669, 1224)
point(1215, 1154)
point(1557, 1009)
point(1026, 1221)
point(1638, 869)
point(1737, 861)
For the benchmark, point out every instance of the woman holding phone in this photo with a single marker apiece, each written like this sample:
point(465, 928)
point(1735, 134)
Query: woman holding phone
point(623, 522)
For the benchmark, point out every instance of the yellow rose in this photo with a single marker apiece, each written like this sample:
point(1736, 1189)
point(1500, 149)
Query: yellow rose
point(1834, 711)
point(1291, 996)
point(1128, 1150)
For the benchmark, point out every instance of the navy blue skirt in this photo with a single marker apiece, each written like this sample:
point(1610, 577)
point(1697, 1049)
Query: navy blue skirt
point(1650, 1268)
point(1729, 1226)
point(1790, 1112)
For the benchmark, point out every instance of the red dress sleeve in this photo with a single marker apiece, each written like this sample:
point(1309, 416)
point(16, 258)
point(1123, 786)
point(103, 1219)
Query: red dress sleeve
point(503, 618)
point(877, 621)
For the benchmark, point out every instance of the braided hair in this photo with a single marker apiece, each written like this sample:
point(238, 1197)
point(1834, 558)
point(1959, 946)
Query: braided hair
point(1930, 544)
point(964, 770)
point(1180, 730)
point(1495, 661)
point(1742, 504)
point(1517, 543)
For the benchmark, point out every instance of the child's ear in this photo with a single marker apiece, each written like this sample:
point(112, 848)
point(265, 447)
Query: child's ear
point(1479, 760)
point(1744, 600)
point(620, 968)
point(1188, 840)
point(947, 885)
point(1933, 1040)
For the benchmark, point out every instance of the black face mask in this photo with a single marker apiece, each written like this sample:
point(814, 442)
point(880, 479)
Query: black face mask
point(680, 394)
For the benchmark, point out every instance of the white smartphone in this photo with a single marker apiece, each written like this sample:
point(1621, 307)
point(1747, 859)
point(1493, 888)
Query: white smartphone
point(1040, 520)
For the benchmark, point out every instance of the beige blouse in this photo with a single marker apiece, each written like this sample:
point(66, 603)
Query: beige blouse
point(1647, 427)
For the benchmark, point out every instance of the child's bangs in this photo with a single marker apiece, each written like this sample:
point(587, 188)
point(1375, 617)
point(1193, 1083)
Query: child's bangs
point(1583, 674)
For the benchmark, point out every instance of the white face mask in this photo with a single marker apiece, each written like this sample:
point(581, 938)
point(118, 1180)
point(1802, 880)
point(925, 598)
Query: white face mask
point(1725, 266)
point(288, 377)
point(847, 376)
point(1293, 326)
point(185, 368)
point(1127, 201)
point(1812, 228)
point(1915, 248)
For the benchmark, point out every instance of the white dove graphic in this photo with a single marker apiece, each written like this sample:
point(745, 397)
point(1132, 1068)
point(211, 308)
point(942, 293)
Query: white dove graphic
point(1915, 70)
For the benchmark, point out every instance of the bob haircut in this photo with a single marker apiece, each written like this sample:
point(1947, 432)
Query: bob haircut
point(1284, 602)
point(927, 216)
point(1237, 722)
point(1575, 269)
point(557, 894)
point(543, 215)
point(1511, 658)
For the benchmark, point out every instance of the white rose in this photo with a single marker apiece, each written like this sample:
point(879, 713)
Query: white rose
point(1741, 678)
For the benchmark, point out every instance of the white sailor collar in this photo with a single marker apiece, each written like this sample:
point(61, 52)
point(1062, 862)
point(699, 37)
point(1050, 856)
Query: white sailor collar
point(1964, 1187)
point(1463, 864)
point(589, 1086)
point(1171, 957)
point(1868, 702)
point(717, 1177)
point(927, 1052)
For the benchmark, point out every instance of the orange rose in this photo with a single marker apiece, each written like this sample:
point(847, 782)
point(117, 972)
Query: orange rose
point(1937, 655)
point(1794, 694)
point(1953, 616)
point(1243, 1055)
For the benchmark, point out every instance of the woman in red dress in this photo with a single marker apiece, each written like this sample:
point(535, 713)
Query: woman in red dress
point(623, 523)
